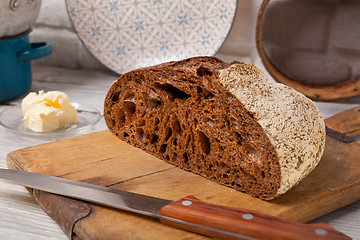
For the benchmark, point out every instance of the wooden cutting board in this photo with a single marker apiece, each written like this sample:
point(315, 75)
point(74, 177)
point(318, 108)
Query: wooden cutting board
point(102, 159)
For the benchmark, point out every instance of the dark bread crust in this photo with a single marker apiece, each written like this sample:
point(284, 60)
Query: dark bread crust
point(181, 113)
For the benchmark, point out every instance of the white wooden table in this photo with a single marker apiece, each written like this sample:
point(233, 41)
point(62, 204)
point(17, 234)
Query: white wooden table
point(22, 218)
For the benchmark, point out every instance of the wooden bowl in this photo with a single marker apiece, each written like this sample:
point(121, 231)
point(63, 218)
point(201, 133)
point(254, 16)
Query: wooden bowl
point(319, 91)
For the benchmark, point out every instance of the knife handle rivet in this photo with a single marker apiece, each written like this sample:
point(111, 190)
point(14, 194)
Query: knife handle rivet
point(320, 231)
point(186, 203)
point(248, 216)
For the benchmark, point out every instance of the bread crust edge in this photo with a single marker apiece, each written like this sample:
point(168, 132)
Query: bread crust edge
point(292, 122)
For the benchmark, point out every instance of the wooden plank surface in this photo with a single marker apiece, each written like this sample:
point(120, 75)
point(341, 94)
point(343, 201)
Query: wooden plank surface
point(16, 204)
point(102, 159)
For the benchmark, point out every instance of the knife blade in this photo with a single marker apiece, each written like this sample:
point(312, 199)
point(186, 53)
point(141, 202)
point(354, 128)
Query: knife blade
point(189, 213)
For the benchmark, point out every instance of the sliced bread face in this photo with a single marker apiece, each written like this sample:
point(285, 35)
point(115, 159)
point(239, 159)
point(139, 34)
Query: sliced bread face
point(192, 114)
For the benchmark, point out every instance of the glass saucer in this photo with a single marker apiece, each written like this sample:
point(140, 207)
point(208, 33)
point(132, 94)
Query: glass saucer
point(12, 119)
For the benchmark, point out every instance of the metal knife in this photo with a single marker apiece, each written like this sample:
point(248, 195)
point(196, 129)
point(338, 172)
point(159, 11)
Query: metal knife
point(188, 213)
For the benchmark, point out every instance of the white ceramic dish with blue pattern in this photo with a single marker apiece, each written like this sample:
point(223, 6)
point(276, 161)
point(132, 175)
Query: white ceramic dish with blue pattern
point(128, 34)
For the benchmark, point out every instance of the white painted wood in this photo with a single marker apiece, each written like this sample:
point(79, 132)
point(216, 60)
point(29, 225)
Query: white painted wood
point(22, 218)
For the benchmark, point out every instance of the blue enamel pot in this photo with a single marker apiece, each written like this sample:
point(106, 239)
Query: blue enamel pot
point(15, 67)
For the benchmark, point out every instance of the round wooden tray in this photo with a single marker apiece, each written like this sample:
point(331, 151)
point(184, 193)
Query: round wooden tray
point(336, 91)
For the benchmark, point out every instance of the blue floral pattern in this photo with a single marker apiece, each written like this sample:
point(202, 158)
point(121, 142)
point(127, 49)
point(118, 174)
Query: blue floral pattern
point(128, 34)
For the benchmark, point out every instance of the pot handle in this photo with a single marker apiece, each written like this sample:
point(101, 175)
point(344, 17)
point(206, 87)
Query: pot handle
point(37, 50)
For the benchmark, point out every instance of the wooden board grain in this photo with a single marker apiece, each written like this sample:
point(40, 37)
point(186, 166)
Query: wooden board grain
point(102, 159)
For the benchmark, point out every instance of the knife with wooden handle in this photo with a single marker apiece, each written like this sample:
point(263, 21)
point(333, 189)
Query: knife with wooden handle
point(188, 213)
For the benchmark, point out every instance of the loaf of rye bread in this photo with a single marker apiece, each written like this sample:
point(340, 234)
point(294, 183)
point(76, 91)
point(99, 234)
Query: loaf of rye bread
point(226, 122)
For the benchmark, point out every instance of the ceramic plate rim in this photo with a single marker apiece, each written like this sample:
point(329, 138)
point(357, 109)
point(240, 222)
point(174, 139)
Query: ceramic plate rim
point(236, 2)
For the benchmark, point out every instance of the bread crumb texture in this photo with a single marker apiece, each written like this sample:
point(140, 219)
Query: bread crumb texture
point(292, 122)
